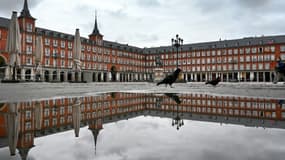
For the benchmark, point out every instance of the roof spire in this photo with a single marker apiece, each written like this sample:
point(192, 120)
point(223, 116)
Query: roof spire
point(25, 12)
point(95, 31)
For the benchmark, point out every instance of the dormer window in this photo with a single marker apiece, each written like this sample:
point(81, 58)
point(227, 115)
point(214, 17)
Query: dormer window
point(29, 27)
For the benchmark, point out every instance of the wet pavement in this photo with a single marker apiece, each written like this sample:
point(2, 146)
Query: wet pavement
point(136, 121)
point(24, 91)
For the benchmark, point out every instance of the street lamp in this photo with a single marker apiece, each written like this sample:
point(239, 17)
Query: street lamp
point(177, 43)
point(177, 121)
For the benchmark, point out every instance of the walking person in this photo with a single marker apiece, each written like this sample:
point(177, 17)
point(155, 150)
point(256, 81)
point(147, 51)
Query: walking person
point(279, 71)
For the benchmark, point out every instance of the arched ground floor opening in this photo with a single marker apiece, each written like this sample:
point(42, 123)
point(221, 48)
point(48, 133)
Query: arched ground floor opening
point(46, 76)
point(61, 76)
point(69, 76)
point(54, 75)
point(27, 74)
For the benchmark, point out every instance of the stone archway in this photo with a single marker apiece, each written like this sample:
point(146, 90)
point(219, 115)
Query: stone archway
point(99, 77)
point(113, 73)
point(94, 77)
point(28, 74)
point(105, 77)
point(46, 74)
point(2, 67)
point(61, 76)
point(54, 75)
point(69, 76)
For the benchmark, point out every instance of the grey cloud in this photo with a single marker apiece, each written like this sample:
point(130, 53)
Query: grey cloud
point(207, 6)
point(253, 3)
point(16, 5)
point(148, 3)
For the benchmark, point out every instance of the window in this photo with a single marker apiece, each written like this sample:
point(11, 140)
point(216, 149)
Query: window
point(247, 66)
point(29, 27)
point(29, 39)
point(54, 63)
point(54, 54)
point(47, 62)
point(54, 43)
point(47, 41)
point(69, 54)
point(28, 61)
point(260, 66)
point(235, 51)
point(28, 114)
point(29, 49)
point(282, 56)
point(260, 50)
point(62, 53)
point(241, 58)
point(253, 50)
point(62, 63)
point(70, 64)
point(61, 120)
point(230, 51)
point(0, 34)
point(241, 50)
point(62, 44)
point(47, 52)
point(282, 48)
point(247, 50)
point(54, 121)
point(272, 49)
point(247, 58)
point(69, 45)
point(28, 125)
point(46, 112)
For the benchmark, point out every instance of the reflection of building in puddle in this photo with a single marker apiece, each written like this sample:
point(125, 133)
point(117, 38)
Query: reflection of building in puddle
point(40, 118)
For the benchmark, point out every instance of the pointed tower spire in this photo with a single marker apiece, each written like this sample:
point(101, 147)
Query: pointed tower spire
point(26, 12)
point(95, 29)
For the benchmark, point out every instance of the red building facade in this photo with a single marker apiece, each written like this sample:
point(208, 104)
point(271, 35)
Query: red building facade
point(246, 59)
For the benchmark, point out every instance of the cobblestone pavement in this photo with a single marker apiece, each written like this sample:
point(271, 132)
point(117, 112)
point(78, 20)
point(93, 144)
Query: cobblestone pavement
point(32, 91)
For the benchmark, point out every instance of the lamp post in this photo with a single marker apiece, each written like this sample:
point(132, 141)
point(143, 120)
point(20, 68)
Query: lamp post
point(177, 121)
point(177, 43)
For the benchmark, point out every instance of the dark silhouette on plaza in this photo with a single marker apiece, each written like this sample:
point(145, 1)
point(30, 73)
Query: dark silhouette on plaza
point(170, 79)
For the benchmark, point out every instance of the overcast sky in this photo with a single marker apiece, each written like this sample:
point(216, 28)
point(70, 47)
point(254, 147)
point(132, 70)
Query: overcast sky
point(147, 23)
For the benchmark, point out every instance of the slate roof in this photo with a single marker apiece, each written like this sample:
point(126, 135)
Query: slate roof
point(4, 22)
point(243, 42)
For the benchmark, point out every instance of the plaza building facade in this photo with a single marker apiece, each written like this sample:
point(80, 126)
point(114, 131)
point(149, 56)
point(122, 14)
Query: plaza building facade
point(245, 59)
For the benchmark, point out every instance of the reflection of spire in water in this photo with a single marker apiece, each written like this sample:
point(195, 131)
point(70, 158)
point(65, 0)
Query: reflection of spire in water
point(76, 116)
point(12, 124)
point(24, 152)
point(95, 129)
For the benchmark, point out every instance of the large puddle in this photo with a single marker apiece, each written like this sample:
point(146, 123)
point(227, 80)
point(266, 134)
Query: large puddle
point(143, 126)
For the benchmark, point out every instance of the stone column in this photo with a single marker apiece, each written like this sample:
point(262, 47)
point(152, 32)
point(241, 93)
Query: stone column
point(58, 76)
point(79, 76)
point(50, 75)
point(23, 71)
point(257, 76)
point(102, 76)
point(65, 76)
point(227, 77)
point(32, 74)
point(72, 76)
point(42, 76)
point(7, 73)
point(264, 77)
